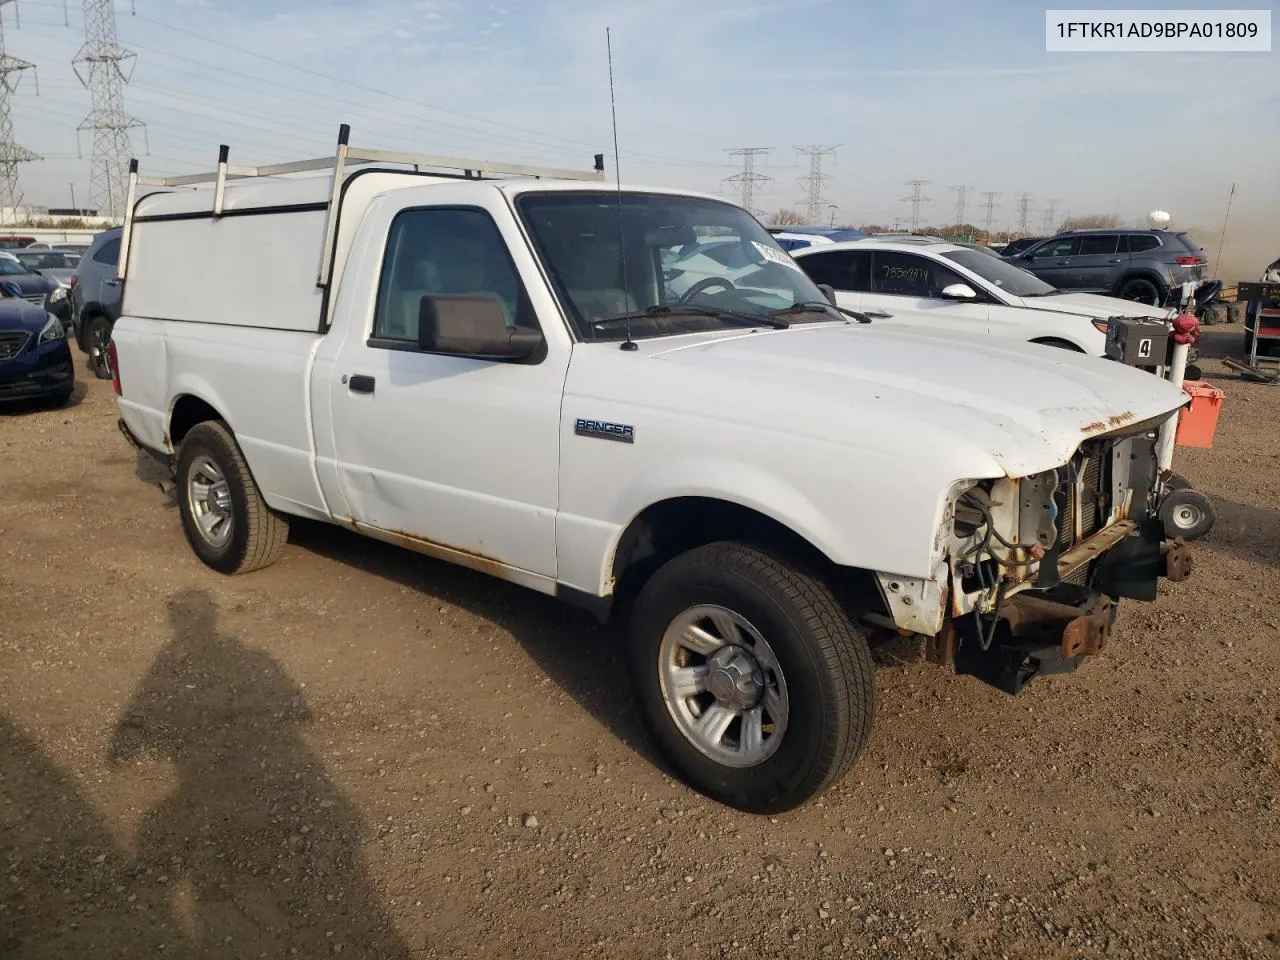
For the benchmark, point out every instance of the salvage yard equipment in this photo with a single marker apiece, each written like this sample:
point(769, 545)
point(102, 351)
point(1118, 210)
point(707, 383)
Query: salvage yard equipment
point(488, 364)
point(1261, 361)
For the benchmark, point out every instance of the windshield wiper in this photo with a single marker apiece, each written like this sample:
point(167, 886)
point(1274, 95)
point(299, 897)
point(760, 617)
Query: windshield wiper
point(744, 319)
point(805, 306)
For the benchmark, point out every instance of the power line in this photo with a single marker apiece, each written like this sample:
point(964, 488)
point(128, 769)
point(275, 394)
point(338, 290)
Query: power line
point(815, 181)
point(961, 193)
point(11, 153)
point(991, 204)
point(1049, 220)
point(747, 179)
point(915, 200)
point(101, 59)
point(1024, 206)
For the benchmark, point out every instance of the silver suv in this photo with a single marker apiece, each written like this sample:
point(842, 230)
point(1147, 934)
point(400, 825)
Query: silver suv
point(95, 300)
point(1144, 265)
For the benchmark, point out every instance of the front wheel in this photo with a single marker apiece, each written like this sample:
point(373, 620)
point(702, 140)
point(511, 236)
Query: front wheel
point(226, 521)
point(751, 678)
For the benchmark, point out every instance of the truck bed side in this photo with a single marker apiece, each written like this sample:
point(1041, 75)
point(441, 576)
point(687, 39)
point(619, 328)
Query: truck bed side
point(257, 380)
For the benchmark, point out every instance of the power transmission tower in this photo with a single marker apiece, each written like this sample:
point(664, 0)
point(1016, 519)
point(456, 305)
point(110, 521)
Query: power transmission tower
point(814, 182)
point(916, 199)
point(746, 180)
point(1024, 205)
point(1049, 221)
point(990, 196)
point(100, 67)
point(961, 193)
point(11, 154)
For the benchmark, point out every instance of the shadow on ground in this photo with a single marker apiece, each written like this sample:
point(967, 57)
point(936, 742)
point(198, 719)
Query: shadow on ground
point(21, 408)
point(254, 853)
point(1245, 531)
point(583, 657)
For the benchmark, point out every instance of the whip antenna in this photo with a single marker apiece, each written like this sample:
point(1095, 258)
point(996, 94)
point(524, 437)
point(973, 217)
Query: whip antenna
point(628, 343)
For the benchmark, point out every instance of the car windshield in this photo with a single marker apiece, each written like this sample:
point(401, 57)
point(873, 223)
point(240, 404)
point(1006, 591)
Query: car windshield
point(11, 268)
point(1002, 274)
point(43, 260)
point(691, 264)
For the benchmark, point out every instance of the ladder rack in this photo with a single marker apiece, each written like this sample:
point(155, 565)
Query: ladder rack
point(345, 155)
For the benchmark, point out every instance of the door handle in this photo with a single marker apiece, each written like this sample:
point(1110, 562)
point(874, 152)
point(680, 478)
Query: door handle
point(359, 383)
point(113, 282)
point(1117, 260)
point(876, 314)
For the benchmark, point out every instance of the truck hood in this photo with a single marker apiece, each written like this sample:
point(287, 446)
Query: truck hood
point(1096, 306)
point(1026, 407)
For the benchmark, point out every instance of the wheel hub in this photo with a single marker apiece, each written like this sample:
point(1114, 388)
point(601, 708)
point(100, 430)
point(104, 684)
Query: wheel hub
point(220, 499)
point(734, 678)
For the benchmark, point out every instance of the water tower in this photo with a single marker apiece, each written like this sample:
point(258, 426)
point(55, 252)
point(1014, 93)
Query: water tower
point(1158, 219)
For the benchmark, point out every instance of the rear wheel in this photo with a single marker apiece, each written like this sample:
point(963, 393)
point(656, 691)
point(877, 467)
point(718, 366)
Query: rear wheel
point(1140, 289)
point(97, 338)
point(750, 676)
point(224, 517)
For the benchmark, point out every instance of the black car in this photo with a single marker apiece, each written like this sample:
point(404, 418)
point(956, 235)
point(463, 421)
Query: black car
point(31, 286)
point(95, 300)
point(1148, 266)
point(1015, 247)
point(35, 361)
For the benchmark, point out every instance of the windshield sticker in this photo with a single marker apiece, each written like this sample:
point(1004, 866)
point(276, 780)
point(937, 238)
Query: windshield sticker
point(774, 255)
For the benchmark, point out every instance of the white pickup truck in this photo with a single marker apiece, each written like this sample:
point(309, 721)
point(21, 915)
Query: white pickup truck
point(490, 366)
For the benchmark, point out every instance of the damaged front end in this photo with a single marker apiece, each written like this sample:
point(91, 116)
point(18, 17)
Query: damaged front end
point(1031, 569)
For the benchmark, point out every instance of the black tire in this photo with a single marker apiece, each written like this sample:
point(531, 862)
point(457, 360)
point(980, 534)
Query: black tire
point(258, 534)
point(1140, 289)
point(1187, 513)
point(1055, 342)
point(1178, 482)
point(97, 336)
point(827, 666)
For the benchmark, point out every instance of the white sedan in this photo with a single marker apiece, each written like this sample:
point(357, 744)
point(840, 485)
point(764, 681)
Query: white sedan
point(925, 282)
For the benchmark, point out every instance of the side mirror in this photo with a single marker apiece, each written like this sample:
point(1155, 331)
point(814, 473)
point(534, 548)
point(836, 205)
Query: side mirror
point(472, 326)
point(959, 291)
point(829, 292)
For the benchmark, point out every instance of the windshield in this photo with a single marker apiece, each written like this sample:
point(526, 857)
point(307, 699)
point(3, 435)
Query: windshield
point(46, 261)
point(687, 259)
point(10, 268)
point(1002, 274)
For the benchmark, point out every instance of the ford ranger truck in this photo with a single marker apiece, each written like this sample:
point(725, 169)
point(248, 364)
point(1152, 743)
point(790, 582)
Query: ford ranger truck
point(492, 365)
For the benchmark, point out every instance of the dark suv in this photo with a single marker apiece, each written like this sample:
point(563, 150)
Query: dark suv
point(1143, 265)
point(95, 300)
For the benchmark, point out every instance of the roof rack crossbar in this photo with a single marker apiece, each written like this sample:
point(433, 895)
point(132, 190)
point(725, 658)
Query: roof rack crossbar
point(343, 157)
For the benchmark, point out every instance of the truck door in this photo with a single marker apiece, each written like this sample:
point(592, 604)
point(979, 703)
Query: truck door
point(456, 451)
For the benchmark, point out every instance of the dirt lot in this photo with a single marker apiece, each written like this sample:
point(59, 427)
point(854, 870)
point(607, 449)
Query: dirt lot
point(363, 752)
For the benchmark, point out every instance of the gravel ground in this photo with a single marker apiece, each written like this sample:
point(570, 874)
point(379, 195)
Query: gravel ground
point(359, 751)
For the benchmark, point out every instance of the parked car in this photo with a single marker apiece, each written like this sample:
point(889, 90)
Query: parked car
point(75, 249)
point(935, 284)
point(797, 238)
point(1014, 247)
point(1144, 265)
point(15, 242)
point(35, 361)
point(95, 300)
point(759, 479)
point(57, 266)
point(31, 286)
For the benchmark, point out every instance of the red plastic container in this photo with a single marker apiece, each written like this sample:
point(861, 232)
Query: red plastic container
point(1198, 421)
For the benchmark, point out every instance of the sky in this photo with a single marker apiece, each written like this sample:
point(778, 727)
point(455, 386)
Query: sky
point(952, 93)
